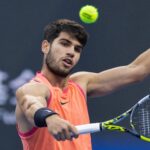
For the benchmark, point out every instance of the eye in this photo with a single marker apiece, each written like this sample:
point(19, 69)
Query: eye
point(78, 49)
point(65, 43)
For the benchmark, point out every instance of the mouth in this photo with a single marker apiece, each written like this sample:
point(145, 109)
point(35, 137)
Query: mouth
point(68, 62)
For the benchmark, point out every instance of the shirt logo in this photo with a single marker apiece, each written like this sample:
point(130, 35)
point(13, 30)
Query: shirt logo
point(63, 103)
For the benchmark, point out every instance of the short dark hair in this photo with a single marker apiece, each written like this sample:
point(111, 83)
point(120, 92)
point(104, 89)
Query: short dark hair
point(52, 30)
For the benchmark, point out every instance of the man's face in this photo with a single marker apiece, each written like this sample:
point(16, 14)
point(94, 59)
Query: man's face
point(63, 55)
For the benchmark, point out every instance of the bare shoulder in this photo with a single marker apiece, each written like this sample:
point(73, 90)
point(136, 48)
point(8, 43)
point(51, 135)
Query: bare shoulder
point(34, 89)
point(82, 78)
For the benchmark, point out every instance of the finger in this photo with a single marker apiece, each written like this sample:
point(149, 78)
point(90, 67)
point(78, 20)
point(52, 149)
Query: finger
point(67, 134)
point(62, 136)
point(74, 131)
point(57, 137)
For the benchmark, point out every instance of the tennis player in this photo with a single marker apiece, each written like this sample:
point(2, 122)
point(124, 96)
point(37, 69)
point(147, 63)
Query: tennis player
point(54, 101)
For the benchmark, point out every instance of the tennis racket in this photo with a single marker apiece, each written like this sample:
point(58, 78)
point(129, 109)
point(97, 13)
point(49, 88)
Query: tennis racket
point(139, 116)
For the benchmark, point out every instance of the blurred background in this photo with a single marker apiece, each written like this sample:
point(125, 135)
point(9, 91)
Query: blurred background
point(121, 33)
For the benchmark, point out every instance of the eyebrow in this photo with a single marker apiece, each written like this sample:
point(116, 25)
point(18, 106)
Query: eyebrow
point(71, 42)
point(66, 40)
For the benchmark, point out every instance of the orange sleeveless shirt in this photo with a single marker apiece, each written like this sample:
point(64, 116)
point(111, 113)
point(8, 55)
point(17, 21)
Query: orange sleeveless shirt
point(71, 105)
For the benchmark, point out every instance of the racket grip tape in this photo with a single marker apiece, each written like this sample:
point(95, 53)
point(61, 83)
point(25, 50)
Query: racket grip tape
point(88, 128)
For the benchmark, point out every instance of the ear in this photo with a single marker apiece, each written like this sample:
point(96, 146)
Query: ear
point(45, 46)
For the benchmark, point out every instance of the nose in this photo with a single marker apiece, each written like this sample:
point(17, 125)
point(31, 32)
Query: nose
point(70, 52)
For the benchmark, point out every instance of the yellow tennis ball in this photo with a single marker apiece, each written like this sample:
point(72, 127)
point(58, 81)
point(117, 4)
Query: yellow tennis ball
point(88, 14)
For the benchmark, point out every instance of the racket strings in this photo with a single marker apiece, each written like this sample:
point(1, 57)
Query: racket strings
point(144, 122)
point(142, 119)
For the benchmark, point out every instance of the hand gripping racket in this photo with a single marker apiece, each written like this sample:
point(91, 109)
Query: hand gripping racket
point(139, 121)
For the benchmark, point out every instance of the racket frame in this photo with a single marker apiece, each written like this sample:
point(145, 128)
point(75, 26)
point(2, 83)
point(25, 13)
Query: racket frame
point(110, 124)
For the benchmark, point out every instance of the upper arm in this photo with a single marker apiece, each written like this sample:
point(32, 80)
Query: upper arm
point(105, 82)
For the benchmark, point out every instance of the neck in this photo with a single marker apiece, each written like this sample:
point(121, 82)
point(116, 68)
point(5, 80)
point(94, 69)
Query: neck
point(54, 79)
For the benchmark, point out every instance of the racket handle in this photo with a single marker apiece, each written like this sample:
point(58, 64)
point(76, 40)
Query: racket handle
point(88, 128)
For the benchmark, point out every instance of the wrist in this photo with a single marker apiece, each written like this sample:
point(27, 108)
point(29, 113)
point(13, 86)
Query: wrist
point(49, 119)
point(41, 115)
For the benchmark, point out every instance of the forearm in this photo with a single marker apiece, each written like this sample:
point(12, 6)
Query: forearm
point(29, 106)
point(40, 116)
point(142, 62)
point(136, 71)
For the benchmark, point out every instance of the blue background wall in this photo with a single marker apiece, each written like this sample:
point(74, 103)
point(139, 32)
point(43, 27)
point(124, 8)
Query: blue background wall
point(121, 33)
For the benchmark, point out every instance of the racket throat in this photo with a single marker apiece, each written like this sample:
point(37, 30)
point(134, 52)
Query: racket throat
point(113, 128)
